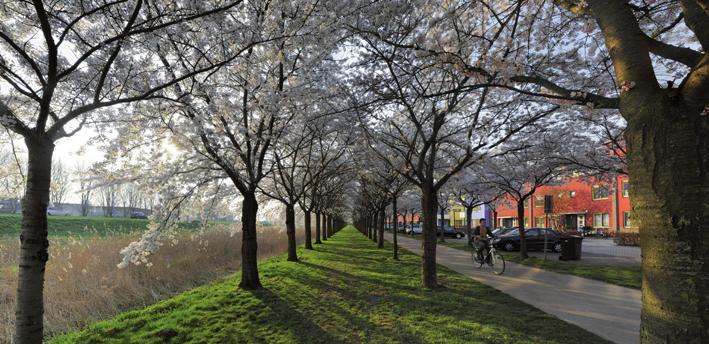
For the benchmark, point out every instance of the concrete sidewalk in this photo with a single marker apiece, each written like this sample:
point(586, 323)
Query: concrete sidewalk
point(612, 312)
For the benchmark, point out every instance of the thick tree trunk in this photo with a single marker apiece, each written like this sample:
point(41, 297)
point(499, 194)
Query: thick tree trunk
point(395, 216)
point(520, 225)
point(382, 218)
point(249, 246)
point(290, 232)
point(428, 266)
point(669, 183)
point(33, 244)
point(317, 228)
point(308, 231)
point(324, 227)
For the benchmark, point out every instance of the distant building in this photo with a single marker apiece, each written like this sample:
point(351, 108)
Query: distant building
point(456, 216)
point(578, 203)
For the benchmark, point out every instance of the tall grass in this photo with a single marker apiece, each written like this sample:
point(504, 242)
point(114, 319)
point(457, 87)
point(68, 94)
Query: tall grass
point(83, 284)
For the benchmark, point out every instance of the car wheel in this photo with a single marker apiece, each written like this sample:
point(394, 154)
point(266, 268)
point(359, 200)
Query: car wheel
point(557, 247)
point(509, 246)
point(459, 236)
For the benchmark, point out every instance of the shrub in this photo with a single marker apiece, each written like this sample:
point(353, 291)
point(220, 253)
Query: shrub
point(627, 239)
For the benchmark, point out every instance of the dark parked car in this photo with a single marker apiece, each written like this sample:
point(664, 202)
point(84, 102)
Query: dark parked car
point(450, 232)
point(534, 237)
point(502, 231)
point(138, 215)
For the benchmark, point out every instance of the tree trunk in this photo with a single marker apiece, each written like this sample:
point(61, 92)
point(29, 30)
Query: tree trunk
point(308, 231)
point(395, 215)
point(33, 244)
point(324, 227)
point(669, 182)
point(494, 219)
point(520, 225)
point(372, 227)
point(317, 228)
point(375, 226)
point(469, 224)
point(443, 214)
point(249, 246)
point(429, 207)
point(290, 232)
point(382, 218)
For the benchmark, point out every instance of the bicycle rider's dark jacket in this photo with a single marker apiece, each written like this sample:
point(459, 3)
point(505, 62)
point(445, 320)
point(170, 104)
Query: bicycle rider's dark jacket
point(476, 232)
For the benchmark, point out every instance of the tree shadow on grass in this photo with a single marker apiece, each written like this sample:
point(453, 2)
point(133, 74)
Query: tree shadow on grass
point(287, 322)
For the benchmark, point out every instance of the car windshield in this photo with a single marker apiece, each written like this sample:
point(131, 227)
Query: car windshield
point(513, 232)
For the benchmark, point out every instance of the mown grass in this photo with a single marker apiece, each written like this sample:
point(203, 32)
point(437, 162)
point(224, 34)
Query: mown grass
point(346, 291)
point(78, 226)
point(625, 276)
point(65, 226)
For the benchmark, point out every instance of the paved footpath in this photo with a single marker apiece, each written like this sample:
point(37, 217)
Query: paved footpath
point(610, 311)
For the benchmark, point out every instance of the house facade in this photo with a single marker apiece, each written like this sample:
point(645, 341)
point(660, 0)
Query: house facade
point(579, 202)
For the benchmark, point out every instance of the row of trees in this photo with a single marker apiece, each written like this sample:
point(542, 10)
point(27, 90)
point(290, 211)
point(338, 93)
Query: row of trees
point(505, 88)
point(295, 100)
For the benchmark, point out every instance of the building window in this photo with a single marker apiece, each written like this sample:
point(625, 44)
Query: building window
point(601, 220)
point(561, 195)
point(540, 221)
point(626, 189)
point(539, 201)
point(507, 222)
point(572, 194)
point(526, 203)
point(526, 222)
point(628, 220)
point(599, 192)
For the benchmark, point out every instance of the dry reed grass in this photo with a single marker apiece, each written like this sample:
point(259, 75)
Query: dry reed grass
point(83, 284)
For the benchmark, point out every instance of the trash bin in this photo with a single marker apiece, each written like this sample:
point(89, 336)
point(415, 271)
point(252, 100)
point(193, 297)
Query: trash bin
point(571, 248)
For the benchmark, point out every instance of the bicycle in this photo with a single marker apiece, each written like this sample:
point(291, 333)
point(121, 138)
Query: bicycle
point(495, 260)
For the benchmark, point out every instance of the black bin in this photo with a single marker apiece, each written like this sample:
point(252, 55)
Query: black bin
point(571, 248)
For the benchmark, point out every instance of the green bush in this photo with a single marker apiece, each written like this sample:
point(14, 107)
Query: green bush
point(627, 239)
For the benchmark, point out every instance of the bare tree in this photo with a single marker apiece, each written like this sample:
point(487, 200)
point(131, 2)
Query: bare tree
point(109, 196)
point(60, 183)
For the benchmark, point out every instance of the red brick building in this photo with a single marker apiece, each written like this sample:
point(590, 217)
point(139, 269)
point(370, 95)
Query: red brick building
point(578, 203)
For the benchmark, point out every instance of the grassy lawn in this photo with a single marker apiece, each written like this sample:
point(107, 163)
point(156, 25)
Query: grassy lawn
point(64, 226)
point(78, 226)
point(346, 291)
point(626, 276)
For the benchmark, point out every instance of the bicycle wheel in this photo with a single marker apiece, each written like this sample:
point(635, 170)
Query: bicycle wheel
point(476, 260)
point(498, 263)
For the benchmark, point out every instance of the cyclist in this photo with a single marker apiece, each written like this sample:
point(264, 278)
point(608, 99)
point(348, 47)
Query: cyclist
point(480, 239)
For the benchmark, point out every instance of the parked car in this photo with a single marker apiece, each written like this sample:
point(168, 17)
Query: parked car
point(138, 215)
point(415, 229)
point(51, 211)
point(534, 237)
point(450, 232)
point(502, 231)
point(402, 228)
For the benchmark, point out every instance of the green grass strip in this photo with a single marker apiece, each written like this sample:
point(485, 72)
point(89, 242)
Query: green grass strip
point(345, 291)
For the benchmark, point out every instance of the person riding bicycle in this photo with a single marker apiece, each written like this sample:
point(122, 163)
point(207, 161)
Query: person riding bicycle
point(480, 239)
